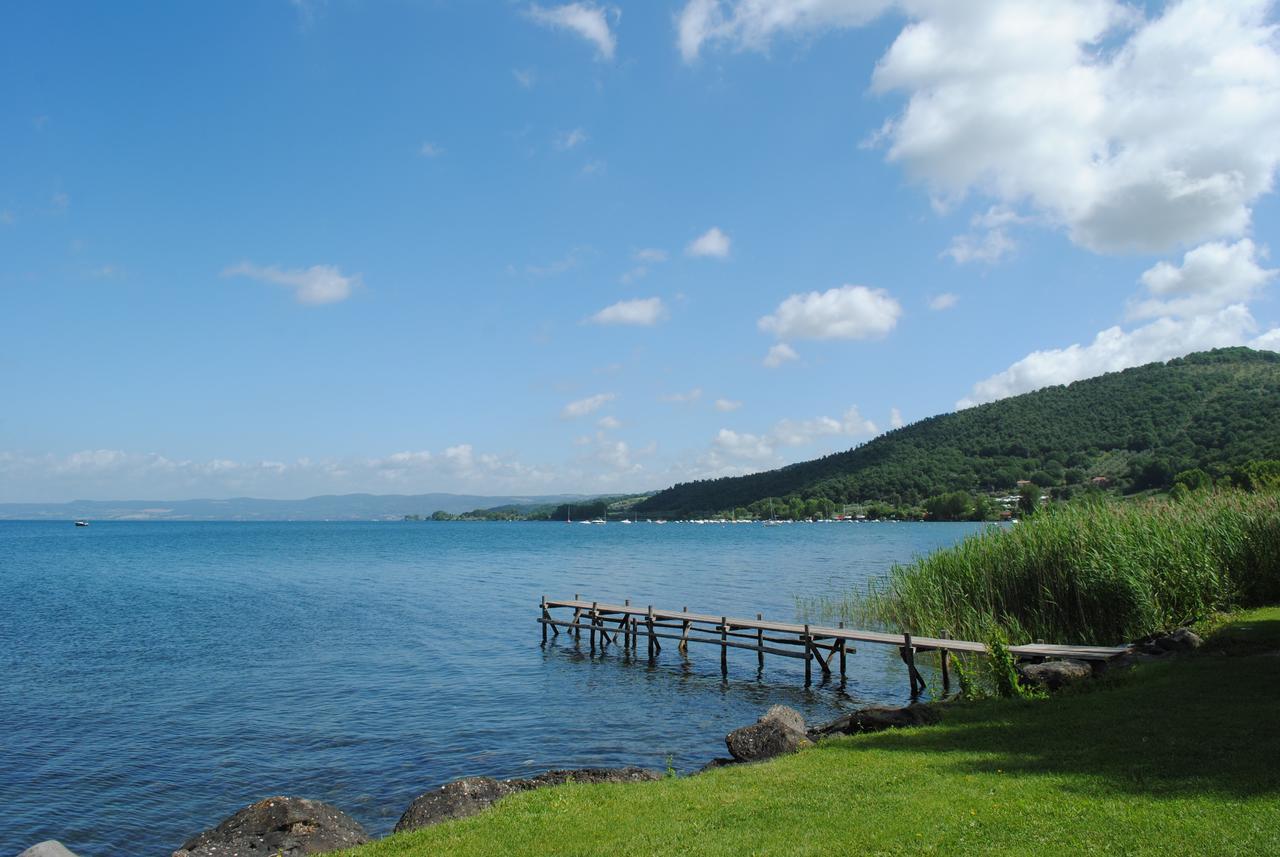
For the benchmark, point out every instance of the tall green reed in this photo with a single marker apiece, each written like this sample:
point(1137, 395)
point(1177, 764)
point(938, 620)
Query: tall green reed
point(1101, 571)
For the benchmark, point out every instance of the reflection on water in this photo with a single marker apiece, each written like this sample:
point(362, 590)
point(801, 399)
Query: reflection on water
point(158, 676)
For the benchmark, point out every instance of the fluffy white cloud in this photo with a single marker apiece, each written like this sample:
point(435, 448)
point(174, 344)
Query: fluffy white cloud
point(1114, 349)
point(724, 406)
point(751, 24)
point(582, 407)
point(642, 311)
point(587, 20)
point(990, 246)
point(1269, 341)
point(609, 423)
point(847, 312)
point(319, 284)
point(804, 432)
point(1211, 276)
point(650, 255)
point(895, 418)
point(1130, 133)
point(743, 445)
point(944, 301)
point(712, 243)
point(779, 354)
point(684, 398)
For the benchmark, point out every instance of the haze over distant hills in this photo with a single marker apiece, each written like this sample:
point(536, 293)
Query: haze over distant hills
point(332, 507)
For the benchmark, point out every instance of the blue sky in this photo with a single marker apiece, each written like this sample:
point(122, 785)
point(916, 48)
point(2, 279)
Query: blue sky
point(288, 248)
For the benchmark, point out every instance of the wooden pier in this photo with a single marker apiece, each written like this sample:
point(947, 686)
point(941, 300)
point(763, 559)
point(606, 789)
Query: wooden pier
point(622, 626)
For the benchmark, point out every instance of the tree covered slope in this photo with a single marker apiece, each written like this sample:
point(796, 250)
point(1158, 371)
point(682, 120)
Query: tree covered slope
point(1213, 410)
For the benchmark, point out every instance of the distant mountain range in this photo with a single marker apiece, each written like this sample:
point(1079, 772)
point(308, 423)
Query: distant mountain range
point(331, 507)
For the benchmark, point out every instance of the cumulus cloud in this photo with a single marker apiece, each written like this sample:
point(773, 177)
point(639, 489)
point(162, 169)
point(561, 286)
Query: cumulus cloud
point(895, 418)
point(587, 20)
point(1269, 341)
point(1211, 276)
point(641, 311)
point(751, 24)
point(847, 312)
point(724, 406)
point(944, 301)
point(582, 407)
point(712, 244)
point(319, 284)
point(1129, 133)
point(1114, 349)
point(804, 432)
point(733, 453)
point(779, 354)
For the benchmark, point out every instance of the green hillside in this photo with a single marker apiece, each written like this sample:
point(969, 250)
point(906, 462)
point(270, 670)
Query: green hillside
point(1138, 428)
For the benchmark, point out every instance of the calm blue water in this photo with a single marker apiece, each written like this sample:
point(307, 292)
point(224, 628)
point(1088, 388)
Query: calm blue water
point(158, 676)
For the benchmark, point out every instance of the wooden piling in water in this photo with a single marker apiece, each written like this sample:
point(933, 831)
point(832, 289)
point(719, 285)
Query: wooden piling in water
point(760, 641)
point(944, 655)
point(724, 645)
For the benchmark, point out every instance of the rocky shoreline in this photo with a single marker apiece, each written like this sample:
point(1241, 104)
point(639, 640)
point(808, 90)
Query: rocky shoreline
point(293, 826)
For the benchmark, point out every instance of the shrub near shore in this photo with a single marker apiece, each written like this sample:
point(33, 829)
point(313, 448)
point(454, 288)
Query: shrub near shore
point(1098, 572)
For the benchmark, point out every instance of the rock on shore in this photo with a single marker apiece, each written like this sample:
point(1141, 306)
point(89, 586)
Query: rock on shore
point(876, 719)
point(470, 795)
point(48, 848)
point(780, 730)
point(278, 827)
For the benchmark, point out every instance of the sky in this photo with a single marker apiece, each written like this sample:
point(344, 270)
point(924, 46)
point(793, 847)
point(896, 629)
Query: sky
point(283, 248)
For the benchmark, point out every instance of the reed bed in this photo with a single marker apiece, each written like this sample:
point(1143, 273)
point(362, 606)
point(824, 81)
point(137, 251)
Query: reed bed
point(1099, 572)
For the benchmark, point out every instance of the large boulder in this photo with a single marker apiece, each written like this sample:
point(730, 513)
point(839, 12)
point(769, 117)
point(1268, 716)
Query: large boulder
point(780, 731)
point(1052, 675)
point(1181, 640)
point(278, 827)
point(877, 718)
point(470, 795)
point(48, 848)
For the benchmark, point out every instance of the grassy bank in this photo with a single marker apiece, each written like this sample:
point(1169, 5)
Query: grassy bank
point(1176, 758)
point(1097, 572)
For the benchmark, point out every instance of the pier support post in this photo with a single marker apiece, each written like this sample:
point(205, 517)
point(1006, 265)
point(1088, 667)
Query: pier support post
point(909, 658)
point(760, 643)
point(545, 618)
point(724, 650)
point(648, 622)
point(592, 632)
point(844, 645)
point(945, 656)
point(808, 657)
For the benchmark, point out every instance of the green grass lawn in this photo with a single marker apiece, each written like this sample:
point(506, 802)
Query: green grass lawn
point(1172, 758)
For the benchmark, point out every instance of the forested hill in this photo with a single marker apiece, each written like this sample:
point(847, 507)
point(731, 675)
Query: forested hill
point(1213, 410)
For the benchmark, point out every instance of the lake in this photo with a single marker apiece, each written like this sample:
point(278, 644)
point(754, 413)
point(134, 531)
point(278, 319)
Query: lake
point(158, 676)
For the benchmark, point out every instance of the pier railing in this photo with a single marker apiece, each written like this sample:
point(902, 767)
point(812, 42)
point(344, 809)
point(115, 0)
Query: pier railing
point(623, 625)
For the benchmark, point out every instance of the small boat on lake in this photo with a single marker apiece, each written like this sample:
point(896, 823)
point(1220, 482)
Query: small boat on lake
point(82, 523)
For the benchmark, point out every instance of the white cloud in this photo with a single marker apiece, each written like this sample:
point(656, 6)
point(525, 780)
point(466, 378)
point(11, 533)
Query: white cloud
point(779, 354)
point(1129, 133)
point(684, 398)
point(742, 445)
point(566, 140)
point(431, 150)
point(712, 243)
point(641, 311)
point(944, 301)
point(319, 284)
point(848, 312)
point(895, 418)
point(751, 24)
point(650, 255)
point(1212, 275)
point(1114, 349)
point(1269, 341)
point(525, 77)
point(609, 423)
point(724, 406)
point(804, 432)
point(990, 246)
point(585, 19)
point(589, 405)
